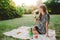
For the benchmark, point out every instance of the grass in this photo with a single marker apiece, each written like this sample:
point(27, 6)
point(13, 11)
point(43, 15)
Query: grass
point(27, 20)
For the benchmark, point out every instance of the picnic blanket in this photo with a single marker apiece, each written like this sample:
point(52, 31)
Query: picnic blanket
point(25, 35)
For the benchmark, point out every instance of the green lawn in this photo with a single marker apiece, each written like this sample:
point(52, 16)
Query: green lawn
point(27, 20)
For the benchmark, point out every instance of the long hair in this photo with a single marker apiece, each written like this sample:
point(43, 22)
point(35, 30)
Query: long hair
point(44, 9)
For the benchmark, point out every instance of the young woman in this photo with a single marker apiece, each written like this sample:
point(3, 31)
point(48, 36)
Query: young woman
point(43, 21)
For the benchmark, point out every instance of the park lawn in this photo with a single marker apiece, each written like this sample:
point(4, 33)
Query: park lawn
point(27, 20)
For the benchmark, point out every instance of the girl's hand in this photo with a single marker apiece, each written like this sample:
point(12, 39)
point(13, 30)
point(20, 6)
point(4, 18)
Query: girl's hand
point(35, 20)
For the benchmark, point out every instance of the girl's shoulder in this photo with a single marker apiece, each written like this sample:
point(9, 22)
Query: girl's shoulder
point(47, 16)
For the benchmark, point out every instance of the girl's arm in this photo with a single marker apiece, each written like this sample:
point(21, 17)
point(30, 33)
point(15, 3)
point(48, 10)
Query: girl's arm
point(35, 19)
point(46, 28)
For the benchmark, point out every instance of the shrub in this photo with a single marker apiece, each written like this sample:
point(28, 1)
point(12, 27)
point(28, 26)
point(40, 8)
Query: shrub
point(8, 11)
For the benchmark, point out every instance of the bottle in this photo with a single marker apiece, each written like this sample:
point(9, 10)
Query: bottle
point(31, 34)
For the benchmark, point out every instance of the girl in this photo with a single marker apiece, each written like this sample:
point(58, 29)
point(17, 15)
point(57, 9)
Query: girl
point(43, 21)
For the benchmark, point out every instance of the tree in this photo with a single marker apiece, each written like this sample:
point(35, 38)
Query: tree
point(8, 10)
point(53, 6)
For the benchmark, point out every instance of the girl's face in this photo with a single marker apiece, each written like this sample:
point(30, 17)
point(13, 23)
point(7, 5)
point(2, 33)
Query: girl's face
point(41, 10)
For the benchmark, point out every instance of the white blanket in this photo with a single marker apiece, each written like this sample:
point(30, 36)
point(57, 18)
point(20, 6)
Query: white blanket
point(25, 35)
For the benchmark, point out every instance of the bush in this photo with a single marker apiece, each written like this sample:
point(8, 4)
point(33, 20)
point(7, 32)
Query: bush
point(53, 6)
point(26, 9)
point(8, 11)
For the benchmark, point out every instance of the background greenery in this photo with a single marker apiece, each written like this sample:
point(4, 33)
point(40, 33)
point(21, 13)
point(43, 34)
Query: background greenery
point(53, 6)
point(8, 10)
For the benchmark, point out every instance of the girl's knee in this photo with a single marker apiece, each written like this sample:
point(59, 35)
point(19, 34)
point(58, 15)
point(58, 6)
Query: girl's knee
point(33, 29)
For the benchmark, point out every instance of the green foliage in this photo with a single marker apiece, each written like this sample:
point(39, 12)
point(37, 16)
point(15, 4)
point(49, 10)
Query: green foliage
point(53, 6)
point(20, 10)
point(24, 10)
point(8, 10)
point(28, 11)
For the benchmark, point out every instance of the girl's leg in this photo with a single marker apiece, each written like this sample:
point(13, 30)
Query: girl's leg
point(34, 31)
